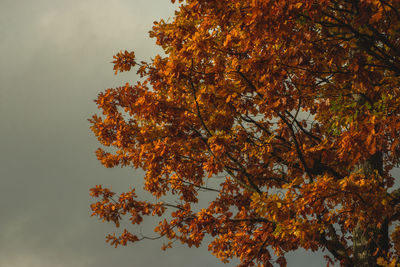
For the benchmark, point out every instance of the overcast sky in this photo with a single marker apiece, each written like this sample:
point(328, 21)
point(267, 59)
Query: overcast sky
point(55, 59)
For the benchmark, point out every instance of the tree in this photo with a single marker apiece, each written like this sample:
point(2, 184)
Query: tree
point(295, 104)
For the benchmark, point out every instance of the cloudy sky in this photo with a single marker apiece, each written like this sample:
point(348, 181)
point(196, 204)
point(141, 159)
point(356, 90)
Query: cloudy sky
point(55, 59)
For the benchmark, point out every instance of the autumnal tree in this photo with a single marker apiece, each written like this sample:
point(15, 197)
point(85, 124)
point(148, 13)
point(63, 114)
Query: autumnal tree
point(295, 104)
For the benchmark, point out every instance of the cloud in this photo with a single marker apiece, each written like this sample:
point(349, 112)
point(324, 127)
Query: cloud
point(55, 59)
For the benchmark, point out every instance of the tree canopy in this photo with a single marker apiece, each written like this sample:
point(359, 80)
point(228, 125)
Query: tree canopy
point(292, 107)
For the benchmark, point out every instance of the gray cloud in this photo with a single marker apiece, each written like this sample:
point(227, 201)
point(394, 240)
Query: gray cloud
point(55, 59)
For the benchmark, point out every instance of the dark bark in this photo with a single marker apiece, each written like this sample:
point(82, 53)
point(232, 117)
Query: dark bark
point(370, 242)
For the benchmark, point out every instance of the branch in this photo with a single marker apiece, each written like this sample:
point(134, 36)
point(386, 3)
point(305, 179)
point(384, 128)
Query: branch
point(204, 140)
point(296, 144)
point(334, 246)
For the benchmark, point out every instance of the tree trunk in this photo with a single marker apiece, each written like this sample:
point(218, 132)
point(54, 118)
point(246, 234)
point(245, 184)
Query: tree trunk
point(371, 242)
point(363, 248)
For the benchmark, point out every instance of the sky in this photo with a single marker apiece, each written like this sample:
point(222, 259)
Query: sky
point(55, 59)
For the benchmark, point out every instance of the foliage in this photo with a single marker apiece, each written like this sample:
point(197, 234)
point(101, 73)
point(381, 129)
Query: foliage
point(296, 104)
